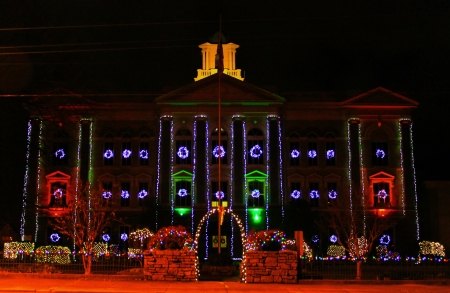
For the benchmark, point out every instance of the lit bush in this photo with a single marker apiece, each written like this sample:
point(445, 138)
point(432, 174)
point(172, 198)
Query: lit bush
point(52, 254)
point(12, 249)
point(432, 248)
point(173, 238)
point(270, 240)
point(336, 251)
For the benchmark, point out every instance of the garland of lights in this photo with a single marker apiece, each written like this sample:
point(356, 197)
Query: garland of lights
point(296, 194)
point(332, 194)
point(380, 154)
point(12, 249)
point(256, 151)
point(312, 154)
point(171, 237)
point(385, 239)
point(134, 253)
point(330, 154)
point(108, 154)
point(143, 154)
point(125, 194)
point(183, 152)
point(333, 238)
point(382, 194)
point(219, 152)
point(256, 193)
point(142, 194)
point(54, 237)
point(182, 192)
point(220, 194)
point(107, 194)
point(295, 154)
point(52, 254)
point(60, 154)
point(124, 236)
point(260, 240)
point(106, 237)
point(126, 153)
point(314, 194)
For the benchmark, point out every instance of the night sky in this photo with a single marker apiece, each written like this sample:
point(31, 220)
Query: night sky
point(151, 46)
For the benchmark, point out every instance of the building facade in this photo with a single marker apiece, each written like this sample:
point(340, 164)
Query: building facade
point(158, 157)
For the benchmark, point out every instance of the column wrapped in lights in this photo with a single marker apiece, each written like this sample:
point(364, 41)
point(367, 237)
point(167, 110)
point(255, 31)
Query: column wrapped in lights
point(281, 170)
point(38, 187)
point(172, 161)
point(402, 173)
point(361, 166)
point(415, 182)
point(230, 200)
point(25, 183)
point(244, 133)
point(194, 167)
point(267, 172)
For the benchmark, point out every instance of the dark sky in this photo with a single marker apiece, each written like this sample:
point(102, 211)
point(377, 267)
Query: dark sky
point(144, 46)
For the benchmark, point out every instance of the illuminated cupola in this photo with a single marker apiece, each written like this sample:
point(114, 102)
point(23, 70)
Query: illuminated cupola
point(209, 51)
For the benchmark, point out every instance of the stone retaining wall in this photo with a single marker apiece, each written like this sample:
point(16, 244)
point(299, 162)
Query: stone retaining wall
point(170, 265)
point(271, 266)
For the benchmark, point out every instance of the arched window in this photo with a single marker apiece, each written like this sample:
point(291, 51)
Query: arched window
point(183, 148)
point(255, 147)
point(219, 150)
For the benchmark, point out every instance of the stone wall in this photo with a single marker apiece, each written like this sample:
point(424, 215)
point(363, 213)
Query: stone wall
point(271, 266)
point(170, 265)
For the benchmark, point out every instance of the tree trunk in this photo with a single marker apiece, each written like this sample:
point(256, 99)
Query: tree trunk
point(359, 269)
point(87, 263)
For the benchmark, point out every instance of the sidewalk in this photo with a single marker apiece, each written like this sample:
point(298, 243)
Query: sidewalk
point(132, 284)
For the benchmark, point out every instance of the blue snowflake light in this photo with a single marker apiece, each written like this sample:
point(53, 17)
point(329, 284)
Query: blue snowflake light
point(256, 193)
point(60, 154)
point(312, 154)
point(314, 194)
point(125, 194)
point(385, 239)
point(315, 238)
point(332, 194)
point(296, 194)
point(382, 194)
point(256, 151)
point(183, 152)
point(126, 153)
point(108, 154)
point(330, 154)
point(219, 152)
point(107, 194)
point(295, 154)
point(333, 238)
point(142, 194)
point(380, 154)
point(106, 237)
point(182, 192)
point(124, 236)
point(54, 237)
point(220, 194)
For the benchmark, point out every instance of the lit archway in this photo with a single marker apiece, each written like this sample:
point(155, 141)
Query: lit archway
point(197, 235)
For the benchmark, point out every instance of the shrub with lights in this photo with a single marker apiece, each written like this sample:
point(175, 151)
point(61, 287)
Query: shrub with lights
point(173, 238)
point(428, 248)
point(336, 251)
point(12, 249)
point(53, 254)
point(269, 240)
point(383, 253)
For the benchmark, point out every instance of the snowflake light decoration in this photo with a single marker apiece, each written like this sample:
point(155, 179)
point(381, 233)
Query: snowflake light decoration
point(124, 236)
point(142, 194)
point(183, 152)
point(295, 154)
point(312, 154)
point(315, 238)
point(143, 154)
point(330, 154)
point(60, 154)
point(333, 238)
point(108, 154)
point(380, 154)
point(219, 152)
point(107, 194)
point(126, 153)
point(385, 239)
point(58, 193)
point(106, 237)
point(256, 193)
point(220, 194)
point(382, 194)
point(314, 194)
point(256, 151)
point(182, 192)
point(332, 194)
point(296, 194)
point(54, 237)
point(125, 194)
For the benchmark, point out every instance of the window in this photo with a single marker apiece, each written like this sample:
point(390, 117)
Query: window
point(294, 153)
point(144, 154)
point(125, 194)
point(183, 147)
point(332, 193)
point(143, 193)
point(126, 154)
point(312, 150)
point(381, 196)
point(107, 191)
point(183, 196)
point(255, 147)
point(219, 151)
point(256, 193)
point(330, 150)
point(58, 194)
point(380, 154)
point(314, 196)
point(221, 191)
point(60, 154)
point(108, 154)
point(296, 191)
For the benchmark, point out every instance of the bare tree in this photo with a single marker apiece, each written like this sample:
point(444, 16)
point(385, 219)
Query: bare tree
point(85, 220)
point(356, 228)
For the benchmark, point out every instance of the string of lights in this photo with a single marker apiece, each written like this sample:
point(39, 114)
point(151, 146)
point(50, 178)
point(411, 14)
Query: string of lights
point(38, 187)
point(267, 171)
point(402, 172)
point(25, 183)
point(361, 166)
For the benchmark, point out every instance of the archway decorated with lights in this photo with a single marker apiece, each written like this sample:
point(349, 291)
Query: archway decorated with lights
point(243, 238)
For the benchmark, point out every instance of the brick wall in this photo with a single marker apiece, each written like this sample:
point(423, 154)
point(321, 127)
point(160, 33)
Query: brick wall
point(170, 265)
point(271, 266)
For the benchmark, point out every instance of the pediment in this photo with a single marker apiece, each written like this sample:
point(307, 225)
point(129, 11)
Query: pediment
point(382, 175)
point(233, 91)
point(380, 98)
point(183, 174)
point(332, 176)
point(58, 175)
point(256, 174)
point(107, 176)
point(296, 177)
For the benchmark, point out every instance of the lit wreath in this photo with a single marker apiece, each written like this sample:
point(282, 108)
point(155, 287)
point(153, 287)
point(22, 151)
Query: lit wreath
point(220, 194)
point(256, 193)
point(58, 193)
point(330, 154)
point(106, 237)
point(219, 152)
point(314, 194)
point(385, 239)
point(182, 192)
point(142, 194)
point(315, 238)
point(296, 194)
point(54, 237)
point(332, 194)
point(125, 194)
point(143, 154)
point(382, 194)
point(183, 152)
point(108, 154)
point(295, 154)
point(107, 194)
point(126, 153)
point(124, 236)
point(256, 151)
point(312, 154)
point(380, 154)
point(60, 154)
point(333, 238)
